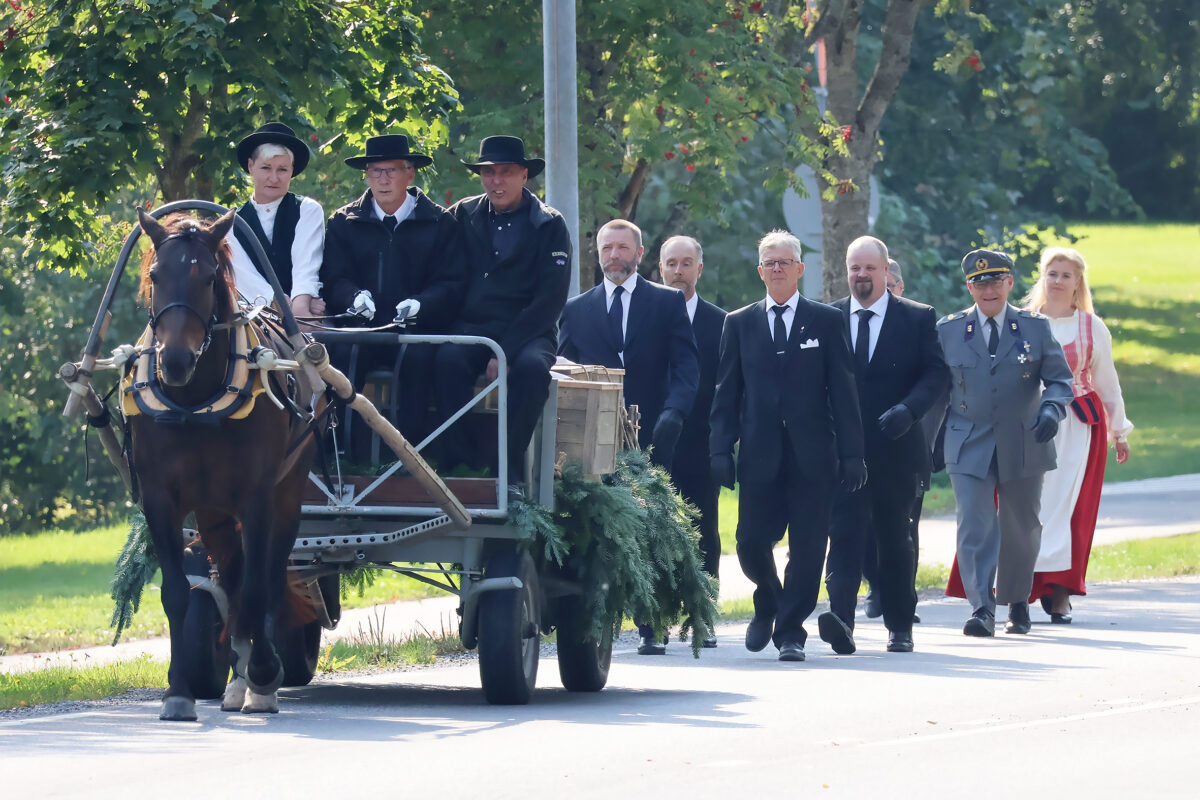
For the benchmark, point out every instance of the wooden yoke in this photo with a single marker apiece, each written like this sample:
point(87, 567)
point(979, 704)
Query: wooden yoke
point(317, 355)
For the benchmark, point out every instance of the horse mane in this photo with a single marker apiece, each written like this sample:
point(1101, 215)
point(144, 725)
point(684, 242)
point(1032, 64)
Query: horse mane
point(177, 223)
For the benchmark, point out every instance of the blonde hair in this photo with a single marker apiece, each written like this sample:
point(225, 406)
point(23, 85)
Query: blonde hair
point(269, 150)
point(1083, 292)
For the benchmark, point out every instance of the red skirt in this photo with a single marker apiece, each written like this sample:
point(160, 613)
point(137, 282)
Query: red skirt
point(1083, 517)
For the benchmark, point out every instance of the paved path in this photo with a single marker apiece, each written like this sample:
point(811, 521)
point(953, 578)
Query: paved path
point(1132, 510)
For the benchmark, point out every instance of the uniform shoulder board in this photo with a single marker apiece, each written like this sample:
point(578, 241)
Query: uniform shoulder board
point(1032, 314)
point(949, 318)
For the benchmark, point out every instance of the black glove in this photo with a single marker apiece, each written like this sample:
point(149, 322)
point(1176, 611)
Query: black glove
point(666, 434)
point(722, 471)
point(1046, 425)
point(896, 421)
point(853, 473)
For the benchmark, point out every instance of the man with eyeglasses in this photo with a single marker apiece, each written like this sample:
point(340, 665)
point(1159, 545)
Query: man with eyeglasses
point(1010, 385)
point(394, 254)
point(785, 391)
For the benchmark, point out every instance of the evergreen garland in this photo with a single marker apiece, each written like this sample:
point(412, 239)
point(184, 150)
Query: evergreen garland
point(631, 542)
point(135, 566)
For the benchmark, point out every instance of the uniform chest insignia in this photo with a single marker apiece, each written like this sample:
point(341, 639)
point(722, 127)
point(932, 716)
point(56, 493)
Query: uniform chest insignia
point(1026, 375)
point(963, 405)
point(1025, 346)
point(1022, 358)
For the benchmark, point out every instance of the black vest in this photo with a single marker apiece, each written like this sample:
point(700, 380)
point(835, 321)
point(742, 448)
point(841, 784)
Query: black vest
point(279, 251)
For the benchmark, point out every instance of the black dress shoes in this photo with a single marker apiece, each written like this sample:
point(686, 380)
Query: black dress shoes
point(1018, 618)
point(837, 633)
point(900, 642)
point(916, 618)
point(758, 632)
point(874, 604)
point(791, 651)
point(710, 641)
point(649, 647)
point(981, 623)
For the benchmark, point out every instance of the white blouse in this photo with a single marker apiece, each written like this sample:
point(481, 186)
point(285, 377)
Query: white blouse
point(1103, 371)
point(307, 249)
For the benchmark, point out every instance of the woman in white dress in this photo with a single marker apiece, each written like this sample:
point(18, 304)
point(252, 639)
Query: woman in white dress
point(290, 228)
point(1071, 493)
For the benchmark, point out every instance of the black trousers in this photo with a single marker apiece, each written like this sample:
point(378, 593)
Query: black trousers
point(870, 554)
point(878, 516)
point(456, 368)
point(412, 364)
point(766, 510)
point(697, 487)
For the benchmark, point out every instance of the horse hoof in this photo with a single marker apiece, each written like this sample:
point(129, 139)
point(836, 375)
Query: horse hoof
point(261, 703)
point(235, 695)
point(178, 709)
point(268, 687)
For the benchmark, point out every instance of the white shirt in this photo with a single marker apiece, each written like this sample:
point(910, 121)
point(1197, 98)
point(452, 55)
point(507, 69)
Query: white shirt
point(983, 326)
point(788, 316)
point(402, 213)
point(609, 287)
point(874, 325)
point(690, 305)
point(307, 247)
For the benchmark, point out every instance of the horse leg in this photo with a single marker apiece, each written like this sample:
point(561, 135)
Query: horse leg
point(235, 692)
point(221, 537)
point(264, 670)
point(166, 528)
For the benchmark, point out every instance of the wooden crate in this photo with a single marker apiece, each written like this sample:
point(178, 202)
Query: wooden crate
point(589, 372)
point(588, 423)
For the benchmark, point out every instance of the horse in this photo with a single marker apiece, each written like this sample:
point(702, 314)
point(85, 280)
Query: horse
point(241, 474)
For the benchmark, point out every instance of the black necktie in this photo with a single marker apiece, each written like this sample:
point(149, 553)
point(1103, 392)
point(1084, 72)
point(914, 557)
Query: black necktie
point(993, 336)
point(780, 331)
point(389, 222)
point(862, 345)
point(615, 312)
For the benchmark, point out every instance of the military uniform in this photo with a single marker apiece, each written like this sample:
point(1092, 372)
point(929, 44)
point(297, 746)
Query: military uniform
point(994, 460)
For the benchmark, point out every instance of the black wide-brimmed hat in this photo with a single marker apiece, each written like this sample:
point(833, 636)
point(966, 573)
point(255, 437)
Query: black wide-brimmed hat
point(389, 147)
point(274, 133)
point(505, 150)
point(982, 265)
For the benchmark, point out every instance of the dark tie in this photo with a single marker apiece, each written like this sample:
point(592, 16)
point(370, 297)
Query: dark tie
point(862, 345)
point(615, 312)
point(780, 331)
point(389, 222)
point(993, 336)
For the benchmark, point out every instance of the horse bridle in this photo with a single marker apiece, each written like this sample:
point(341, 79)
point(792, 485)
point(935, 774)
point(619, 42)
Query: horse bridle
point(210, 324)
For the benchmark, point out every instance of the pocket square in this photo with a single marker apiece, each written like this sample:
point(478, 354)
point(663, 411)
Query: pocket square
point(810, 343)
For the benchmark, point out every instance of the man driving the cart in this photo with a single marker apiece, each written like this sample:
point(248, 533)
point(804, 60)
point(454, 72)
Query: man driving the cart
point(393, 255)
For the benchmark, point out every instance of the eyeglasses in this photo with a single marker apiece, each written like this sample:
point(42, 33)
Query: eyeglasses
point(779, 263)
point(379, 172)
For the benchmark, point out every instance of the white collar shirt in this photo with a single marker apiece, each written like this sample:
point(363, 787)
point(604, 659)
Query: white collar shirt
point(691, 306)
point(874, 325)
point(792, 303)
point(629, 284)
point(983, 318)
point(402, 213)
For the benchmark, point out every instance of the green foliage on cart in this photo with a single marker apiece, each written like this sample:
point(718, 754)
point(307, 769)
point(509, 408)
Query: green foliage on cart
point(135, 567)
point(630, 541)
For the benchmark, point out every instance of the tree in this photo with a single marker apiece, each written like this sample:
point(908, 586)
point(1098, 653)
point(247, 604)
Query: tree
point(107, 96)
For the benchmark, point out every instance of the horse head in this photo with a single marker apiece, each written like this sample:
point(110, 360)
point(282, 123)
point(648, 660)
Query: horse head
point(187, 282)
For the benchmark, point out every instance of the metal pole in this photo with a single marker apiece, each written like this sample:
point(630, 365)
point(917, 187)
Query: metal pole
point(562, 115)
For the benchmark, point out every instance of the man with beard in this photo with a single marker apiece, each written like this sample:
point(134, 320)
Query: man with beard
point(630, 323)
point(681, 262)
point(900, 372)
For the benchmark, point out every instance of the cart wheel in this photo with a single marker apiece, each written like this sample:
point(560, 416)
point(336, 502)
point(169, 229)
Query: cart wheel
point(582, 664)
point(206, 655)
point(509, 638)
point(299, 649)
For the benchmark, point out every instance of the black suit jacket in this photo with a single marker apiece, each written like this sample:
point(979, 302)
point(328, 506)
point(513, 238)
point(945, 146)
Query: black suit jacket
point(661, 368)
point(691, 454)
point(907, 367)
point(805, 399)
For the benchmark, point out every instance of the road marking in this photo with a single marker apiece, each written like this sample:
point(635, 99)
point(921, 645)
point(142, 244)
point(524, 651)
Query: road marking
point(1013, 726)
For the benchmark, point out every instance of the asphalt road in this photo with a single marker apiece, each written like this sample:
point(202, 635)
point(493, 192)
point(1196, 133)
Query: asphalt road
point(1106, 707)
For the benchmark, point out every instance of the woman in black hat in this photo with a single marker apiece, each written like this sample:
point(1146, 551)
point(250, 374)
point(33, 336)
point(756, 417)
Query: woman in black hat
point(290, 228)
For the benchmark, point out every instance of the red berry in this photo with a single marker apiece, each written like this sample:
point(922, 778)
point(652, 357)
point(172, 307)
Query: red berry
point(668, 155)
point(973, 60)
point(684, 150)
point(692, 52)
point(690, 167)
point(745, 138)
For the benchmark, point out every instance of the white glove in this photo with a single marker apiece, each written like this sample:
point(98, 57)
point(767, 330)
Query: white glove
point(407, 309)
point(363, 305)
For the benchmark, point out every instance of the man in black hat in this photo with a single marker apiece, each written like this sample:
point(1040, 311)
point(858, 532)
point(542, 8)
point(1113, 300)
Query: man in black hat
point(1010, 384)
point(396, 250)
point(290, 228)
point(519, 261)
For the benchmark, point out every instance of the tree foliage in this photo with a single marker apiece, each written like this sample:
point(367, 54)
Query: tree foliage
point(148, 96)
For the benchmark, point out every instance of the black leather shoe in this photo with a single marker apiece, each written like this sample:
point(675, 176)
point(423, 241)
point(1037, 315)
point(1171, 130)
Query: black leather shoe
point(758, 633)
point(649, 647)
point(900, 642)
point(791, 651)
point(1018, 618)
point(1061, 619)
point(837, 633)
point(1048, 604)
point(874, 604)
point(981, 623)
point(916, 618)
point(710, 641)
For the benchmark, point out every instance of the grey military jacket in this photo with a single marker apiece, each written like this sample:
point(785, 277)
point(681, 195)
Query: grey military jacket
point(994, 402)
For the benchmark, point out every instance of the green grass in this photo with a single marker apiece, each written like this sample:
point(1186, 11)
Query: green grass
point(58, 684)
point(1146, 558)
point(54, 592)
